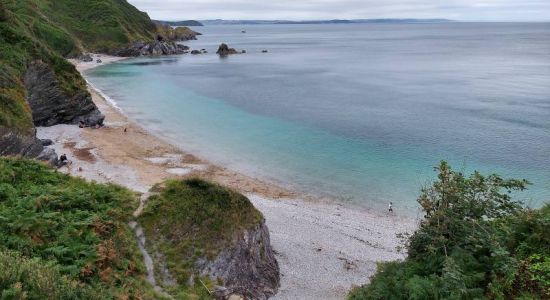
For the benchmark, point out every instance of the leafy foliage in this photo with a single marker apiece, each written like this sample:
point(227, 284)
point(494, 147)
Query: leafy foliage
point(68, 231)
point(475, 242)
point(192, 219)
point(23, 278)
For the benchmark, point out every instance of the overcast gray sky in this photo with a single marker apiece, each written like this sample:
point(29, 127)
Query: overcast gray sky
point(485, 10)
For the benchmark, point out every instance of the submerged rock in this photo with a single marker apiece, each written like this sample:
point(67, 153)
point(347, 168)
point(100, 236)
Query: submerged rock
point(195, 52)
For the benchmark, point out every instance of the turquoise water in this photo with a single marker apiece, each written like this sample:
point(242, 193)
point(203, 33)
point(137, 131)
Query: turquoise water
point(359, 113)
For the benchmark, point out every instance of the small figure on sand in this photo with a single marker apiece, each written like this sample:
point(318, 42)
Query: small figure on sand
point(390, 207)
point(125, 130)
point(63, 161)
point(81, 124)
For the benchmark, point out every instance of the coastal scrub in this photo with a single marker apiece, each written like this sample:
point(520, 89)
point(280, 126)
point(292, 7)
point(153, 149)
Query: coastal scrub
point(60, 234)
point(475, 242)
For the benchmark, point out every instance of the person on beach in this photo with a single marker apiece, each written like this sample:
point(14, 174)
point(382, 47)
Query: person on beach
point(63, 160)
point(81, 124)
point(390, 208)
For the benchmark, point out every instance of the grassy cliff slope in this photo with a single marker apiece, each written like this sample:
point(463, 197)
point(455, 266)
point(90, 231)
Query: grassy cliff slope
point(48, 31)
point(64, 238)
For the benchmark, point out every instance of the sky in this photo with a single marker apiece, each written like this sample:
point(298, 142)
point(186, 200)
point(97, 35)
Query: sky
point(467, 10)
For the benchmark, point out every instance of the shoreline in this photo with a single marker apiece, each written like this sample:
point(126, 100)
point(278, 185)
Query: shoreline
point(323, 248)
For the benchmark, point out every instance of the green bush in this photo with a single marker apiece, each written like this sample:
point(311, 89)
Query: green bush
point(475, 242)
point(23, 278)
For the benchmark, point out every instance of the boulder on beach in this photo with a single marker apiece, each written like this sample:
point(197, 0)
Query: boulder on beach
point(224, 50)
point(86, 58)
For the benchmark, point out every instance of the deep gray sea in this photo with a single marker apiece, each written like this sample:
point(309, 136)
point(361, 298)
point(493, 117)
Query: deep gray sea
point(360, 113)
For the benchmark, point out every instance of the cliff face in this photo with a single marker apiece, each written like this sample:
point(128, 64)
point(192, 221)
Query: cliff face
point(152, 48)
point(200, 233)
point(13, 142)
point(50, 105)
point(247, 267)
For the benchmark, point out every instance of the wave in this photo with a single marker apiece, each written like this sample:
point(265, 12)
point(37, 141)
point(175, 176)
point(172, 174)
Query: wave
point(107, 98)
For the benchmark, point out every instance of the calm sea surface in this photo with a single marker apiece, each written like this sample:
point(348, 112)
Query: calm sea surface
point(360, 113)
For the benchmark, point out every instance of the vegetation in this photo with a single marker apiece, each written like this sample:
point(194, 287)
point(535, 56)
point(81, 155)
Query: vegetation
point(475, 242)
point(23, 278)
point(63, 238)
point(191, 219)
point(49, 30)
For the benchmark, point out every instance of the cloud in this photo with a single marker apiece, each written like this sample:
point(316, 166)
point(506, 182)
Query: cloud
point(483, 10)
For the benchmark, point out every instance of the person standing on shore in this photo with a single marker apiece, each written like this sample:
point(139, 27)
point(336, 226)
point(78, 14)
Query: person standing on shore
point(390, 207)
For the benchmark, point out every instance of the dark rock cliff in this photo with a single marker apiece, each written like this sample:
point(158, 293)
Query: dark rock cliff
point(157, 47)
point(247, 268)
point(50, 105)
point(14, 143)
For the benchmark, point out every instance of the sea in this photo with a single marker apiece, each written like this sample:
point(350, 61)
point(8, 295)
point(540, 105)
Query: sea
point(359, 114)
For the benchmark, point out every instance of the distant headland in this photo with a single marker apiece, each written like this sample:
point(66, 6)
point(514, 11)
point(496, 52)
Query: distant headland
point(335, 21)
point(179, 23)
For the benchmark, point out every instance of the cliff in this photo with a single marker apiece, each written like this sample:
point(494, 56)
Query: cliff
point(38, 86)
point(201, 234)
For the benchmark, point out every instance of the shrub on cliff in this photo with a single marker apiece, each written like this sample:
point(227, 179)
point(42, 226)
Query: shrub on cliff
point(475, 241)
point(66, 233)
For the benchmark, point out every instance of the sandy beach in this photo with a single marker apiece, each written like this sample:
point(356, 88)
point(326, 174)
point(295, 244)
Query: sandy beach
point(323, 249)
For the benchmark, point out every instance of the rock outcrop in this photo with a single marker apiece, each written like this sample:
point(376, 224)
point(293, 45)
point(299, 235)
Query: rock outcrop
point(86, 58)
point(158, 47)
point(199, 231)
point(224, 50)
point(247, 268)
point(14, 143)
point(50, 105)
